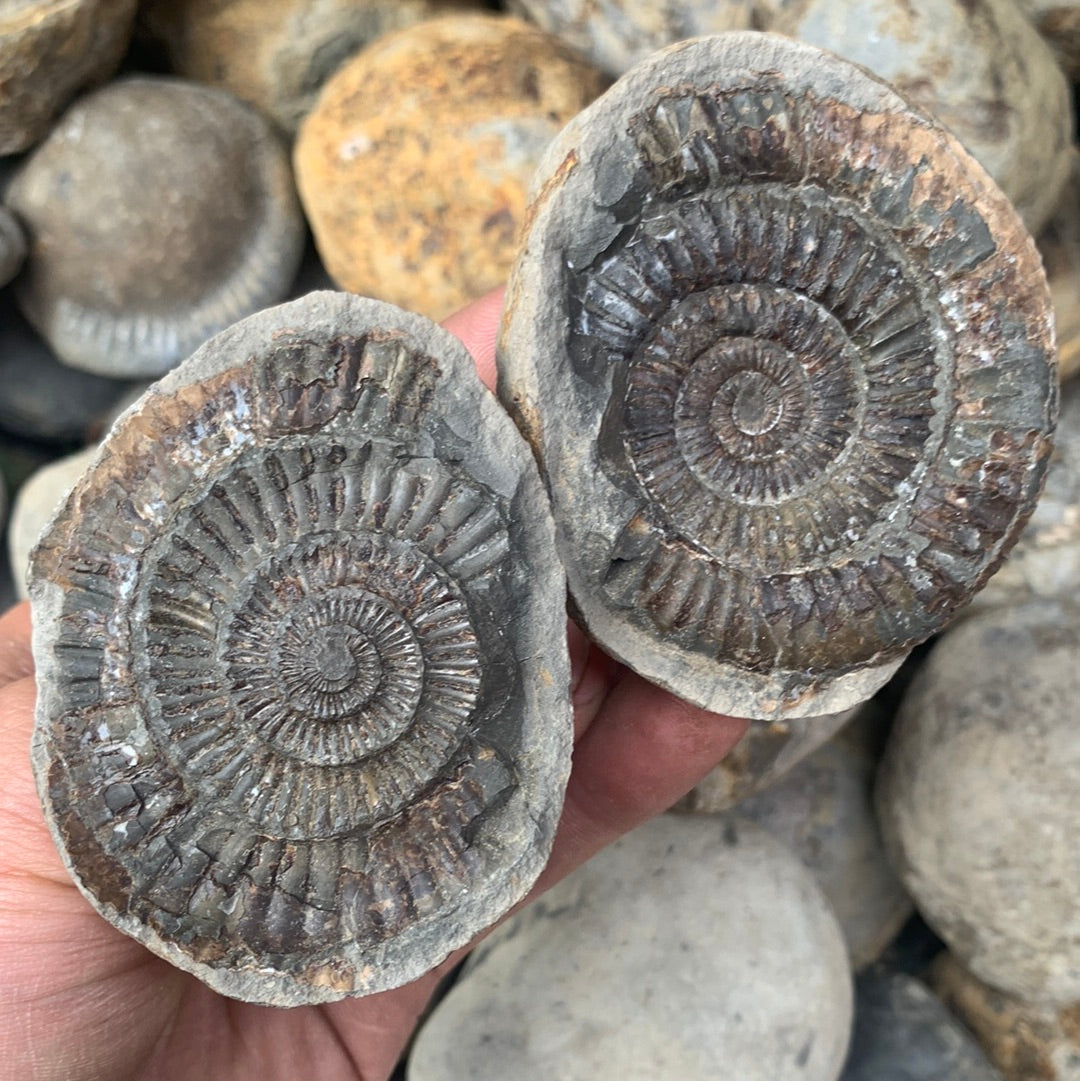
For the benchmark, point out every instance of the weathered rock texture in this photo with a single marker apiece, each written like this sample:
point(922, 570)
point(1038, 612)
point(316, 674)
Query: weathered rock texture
point(38, 499)
point(276, 54)
point(689, 943)
point(903, 1033)
point(1026, 1043)
point(158, 211)
point(823, 811)
point(785, 354)
point(1059, 22)
point(980, 68)
point(1046, 560)
point(303, 716)
point(979, 797)
point(48, 52)
point(414, 165)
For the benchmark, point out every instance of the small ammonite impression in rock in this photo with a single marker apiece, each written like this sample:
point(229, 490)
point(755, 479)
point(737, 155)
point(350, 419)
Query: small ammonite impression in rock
point(786, 356)
point(303, 722)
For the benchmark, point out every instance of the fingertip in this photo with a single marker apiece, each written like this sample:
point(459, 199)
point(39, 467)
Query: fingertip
point(16, 656)
point(477, 327)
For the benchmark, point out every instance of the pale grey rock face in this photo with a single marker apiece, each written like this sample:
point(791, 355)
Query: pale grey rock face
point(764, 755)
point(823, 811)
point(1045, 563)
point(979, 797)
point(903, 1033)
point(325, 518)
point(980, 68)
point(38, 499)
point(756, 372)
point(688, 943)
point(157, 212)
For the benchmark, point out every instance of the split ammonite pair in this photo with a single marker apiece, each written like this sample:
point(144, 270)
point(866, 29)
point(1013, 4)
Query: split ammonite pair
point(785, 356)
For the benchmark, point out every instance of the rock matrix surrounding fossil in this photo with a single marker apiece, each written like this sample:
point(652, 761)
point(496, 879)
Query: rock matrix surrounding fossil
point(12, 247)
point(979, 797)
point(39, 498)
point(276, 54)
point(903, 1033)
point(760, 759)
point(303, 722)
point(1026, 1043)
point(785, 354)
point(1046, 560)
point(980, 68)
point(689, 942)
point(158, 212)
point(48, 52)
point(440, 127)
point(823, 811)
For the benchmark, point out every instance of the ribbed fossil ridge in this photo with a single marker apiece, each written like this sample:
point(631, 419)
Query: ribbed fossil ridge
point(286, 735)
point(792, 385)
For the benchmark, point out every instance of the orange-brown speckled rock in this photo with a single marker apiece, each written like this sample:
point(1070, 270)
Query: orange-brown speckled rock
point(414, 165)
point(50, 49)
point(276, 54)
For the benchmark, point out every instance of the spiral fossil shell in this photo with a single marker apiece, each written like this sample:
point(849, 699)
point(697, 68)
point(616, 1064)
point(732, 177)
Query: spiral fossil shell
point(786, 355)
point(303, 718)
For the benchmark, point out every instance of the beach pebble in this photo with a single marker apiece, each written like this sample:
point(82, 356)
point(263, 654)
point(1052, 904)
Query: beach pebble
point(1026, 1043)
point(48, 52)
point(688, 943)
point(903, 1033)
point(414, 164)
point(823, 811)
point(979, 797)
point(12, 246)
point(40, 398)
point(276, 54)
point(158, 211)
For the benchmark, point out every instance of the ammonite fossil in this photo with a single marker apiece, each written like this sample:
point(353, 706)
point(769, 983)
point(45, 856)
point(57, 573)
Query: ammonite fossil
point(786, 356)
point(304, 718)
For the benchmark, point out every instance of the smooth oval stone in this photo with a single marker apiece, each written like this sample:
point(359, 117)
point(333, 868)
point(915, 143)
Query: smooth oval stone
point(440, 126)
point(36, 502)
point(979, 797)
point(1026, 1043)
point(41, 398)
point(689, 942)
point(903, 1033)
point(823, 811)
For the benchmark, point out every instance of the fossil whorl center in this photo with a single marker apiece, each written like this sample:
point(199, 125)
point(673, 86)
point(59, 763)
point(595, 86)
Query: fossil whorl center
point(303, 724)
point(786, 356)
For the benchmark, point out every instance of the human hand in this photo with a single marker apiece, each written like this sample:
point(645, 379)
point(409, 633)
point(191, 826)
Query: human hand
point(79, 1000)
